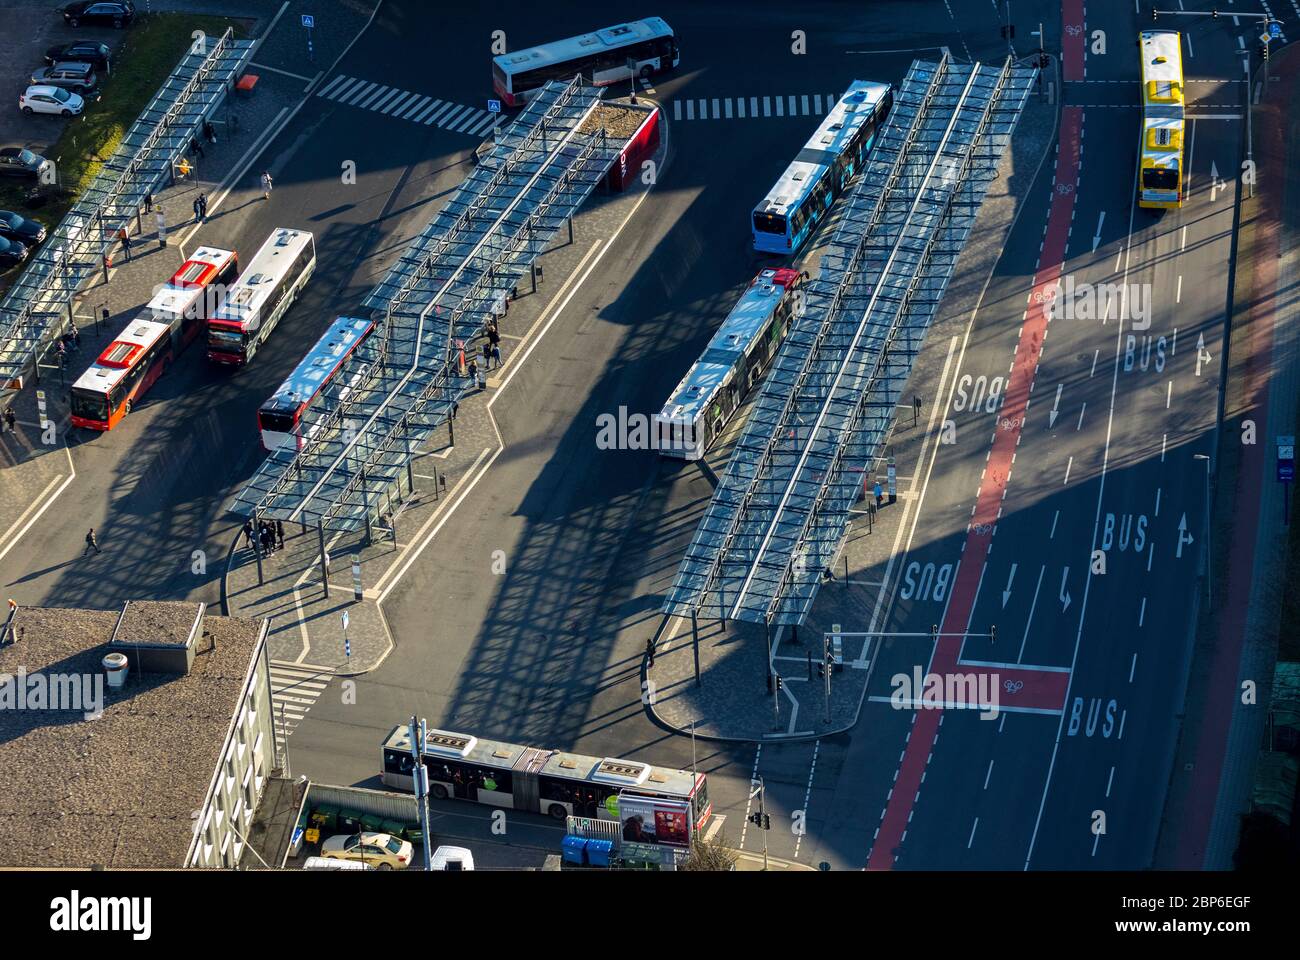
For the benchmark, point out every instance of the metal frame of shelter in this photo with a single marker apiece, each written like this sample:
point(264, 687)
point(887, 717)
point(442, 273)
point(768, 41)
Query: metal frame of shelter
point(824, 411)
point(353, 450)
point(38, 308)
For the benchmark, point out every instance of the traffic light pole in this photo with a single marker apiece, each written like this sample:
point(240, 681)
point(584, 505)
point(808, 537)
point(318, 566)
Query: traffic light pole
point(762, 813)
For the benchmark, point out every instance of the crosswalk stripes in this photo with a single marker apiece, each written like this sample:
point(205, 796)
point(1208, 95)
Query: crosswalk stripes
point(753, 108)
point(407, 105)
point(295, 687)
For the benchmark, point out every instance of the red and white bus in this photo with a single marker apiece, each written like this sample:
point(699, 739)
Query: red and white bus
point(260, 297)
point(128, 367)
point(464, 767)
point(194, 292)
point(327, 373)
point(600, 57)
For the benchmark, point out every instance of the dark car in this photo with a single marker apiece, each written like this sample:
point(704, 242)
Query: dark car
point(80, 51)
point(11, 252)
point(77, 77)
point(115, 13)
point(27, 232)
point(21, 162)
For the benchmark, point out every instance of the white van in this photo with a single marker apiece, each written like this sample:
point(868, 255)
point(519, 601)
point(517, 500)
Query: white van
point(331, 863)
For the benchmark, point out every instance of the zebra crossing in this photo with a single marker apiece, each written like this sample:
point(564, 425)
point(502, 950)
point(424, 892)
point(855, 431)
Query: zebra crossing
point(295, 687)
point(405, 105)
point(754, 108)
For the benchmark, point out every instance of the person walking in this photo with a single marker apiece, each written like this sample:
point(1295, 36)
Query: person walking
point(91, 543)
point(126, 242)
point(487, 355)
point(61, 351)
point(198, 209)
point(248, 534)
point(473, 373)
point(195, 148)
point(267, 184)
point(650, 652)
point(209, 132)
point(496, 355)
point(76, 340)
point(148, 203)
point(279, 534)
point(10, 420)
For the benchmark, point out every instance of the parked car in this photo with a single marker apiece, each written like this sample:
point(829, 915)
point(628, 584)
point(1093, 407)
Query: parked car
point(451, 858)
point(77, 77)
point(11, 252)
point(27, 232)
point(116, 13)
point(21, 162)
point(383, 850)
point(47, 99)
point(334, 863)
point(80, 51)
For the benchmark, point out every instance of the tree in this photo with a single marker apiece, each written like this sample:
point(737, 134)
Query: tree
point(709, 854)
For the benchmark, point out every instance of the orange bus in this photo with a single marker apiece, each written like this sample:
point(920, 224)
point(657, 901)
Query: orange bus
point(128, 367)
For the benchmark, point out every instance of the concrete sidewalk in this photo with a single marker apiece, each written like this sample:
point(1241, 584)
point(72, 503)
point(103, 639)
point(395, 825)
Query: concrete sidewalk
point(1237, 636)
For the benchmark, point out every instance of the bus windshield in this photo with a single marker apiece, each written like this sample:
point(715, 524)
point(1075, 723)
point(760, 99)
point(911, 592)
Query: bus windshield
point(231, 340)
point(1160, 178)
point(769, 223)
point(89, 406)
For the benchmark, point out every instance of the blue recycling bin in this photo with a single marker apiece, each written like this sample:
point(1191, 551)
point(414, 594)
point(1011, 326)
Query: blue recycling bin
point(574, 850)
point(598, 852)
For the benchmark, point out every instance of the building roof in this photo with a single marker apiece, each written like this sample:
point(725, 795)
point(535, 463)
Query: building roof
point(120, 790)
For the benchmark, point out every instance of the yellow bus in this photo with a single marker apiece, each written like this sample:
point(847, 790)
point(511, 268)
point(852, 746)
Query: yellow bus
point(1160, 152)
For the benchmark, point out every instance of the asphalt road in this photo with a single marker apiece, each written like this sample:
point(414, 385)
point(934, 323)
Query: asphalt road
point(549, 654)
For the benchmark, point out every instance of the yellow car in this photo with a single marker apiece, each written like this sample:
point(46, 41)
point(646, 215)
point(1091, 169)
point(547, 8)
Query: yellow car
point(381, 850)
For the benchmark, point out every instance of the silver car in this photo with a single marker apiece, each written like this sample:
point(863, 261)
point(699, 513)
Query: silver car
point(77, 77)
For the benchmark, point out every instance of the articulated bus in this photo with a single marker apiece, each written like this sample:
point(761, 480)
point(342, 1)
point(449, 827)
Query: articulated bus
point(820, 171)
point(127, 368)
point(538, 780)
point(1160, 151)
point(600, 57)
point(733, 362)
point(194, 293)
point(327, 371)
point(261, 296)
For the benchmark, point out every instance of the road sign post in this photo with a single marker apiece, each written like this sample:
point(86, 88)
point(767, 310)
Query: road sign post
point(309, 22)
point(631, 69)
point(1286, 472)
point(356, 578)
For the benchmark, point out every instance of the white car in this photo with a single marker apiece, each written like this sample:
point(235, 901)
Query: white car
point(381, 850)
point(43, 98)
point(452, 858)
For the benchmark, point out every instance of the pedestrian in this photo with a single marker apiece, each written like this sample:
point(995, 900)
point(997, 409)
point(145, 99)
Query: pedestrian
point(279, 534)
point(148, 203)
point(198, 210)
point(455, 408)
point(266, 185)
point(496, 355)
point(650, 652)
point(248, 534)
point(10, 420)
point(203, 206)
point(61, 350)
point(195, 148)
point(126, 242)
point(487, 355)
point(91, 541)
point(474, 375)
point(76, 339)
point(209, 132)
point(880, 496)
point(493, 336)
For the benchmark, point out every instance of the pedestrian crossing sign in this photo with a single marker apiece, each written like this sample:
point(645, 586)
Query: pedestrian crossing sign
point(308, 21)
point(494, 106)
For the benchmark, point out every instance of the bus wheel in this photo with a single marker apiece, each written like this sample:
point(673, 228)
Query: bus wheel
point(126, 407)
point(438, 791)
point(557, 811)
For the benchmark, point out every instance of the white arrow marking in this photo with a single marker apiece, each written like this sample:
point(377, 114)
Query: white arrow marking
point(1096, 237)
point(1006, 594)
point(1065, 594)
point(1183, 537)
point(1215, 183)
point(1202, 354)
point(1056, 407)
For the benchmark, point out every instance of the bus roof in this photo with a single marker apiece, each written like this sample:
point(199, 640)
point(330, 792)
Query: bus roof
point(611, 772)
point(745, 321)
point(560, 51)
point(320, 361)
point(117, 357)
point(247, 294)
point(187, 283)
point(850, 112)
point(1162, 143)
point(1162, 72)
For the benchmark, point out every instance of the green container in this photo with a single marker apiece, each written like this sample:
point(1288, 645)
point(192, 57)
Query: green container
point(393, 828)
point(413, 833)
point(372, 823)
point(349, 821)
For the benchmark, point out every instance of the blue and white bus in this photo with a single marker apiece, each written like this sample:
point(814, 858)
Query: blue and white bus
point(328, 369)
point(803, 194)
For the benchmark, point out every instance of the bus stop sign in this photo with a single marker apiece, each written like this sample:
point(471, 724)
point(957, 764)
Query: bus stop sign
point(1274, 29)
point(1285, 459)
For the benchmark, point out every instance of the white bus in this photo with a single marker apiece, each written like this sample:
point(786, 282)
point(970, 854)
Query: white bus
point(194, 292)
point(259, 298)
point(600, 57)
